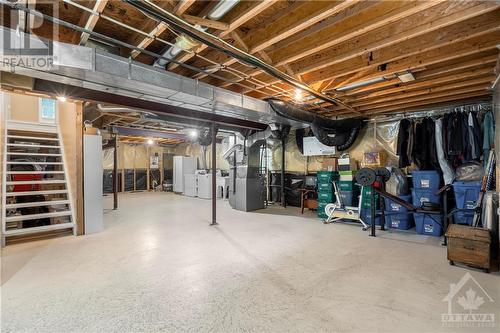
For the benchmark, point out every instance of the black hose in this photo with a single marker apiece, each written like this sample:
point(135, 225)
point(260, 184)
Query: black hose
point(289, 111)
point(350, 140)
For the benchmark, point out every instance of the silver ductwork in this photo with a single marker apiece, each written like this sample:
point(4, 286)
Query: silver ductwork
point(101, 71)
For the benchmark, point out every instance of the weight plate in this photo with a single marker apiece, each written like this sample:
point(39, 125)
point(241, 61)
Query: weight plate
point(384, 173)
point(366, 176)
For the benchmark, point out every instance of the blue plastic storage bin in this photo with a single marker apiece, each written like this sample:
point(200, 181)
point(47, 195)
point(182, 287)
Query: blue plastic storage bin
point(466, 194)
point(402, 221)
point(349, 198)
point(366, 216)
point(428, 224)
point(426, 180)
point(391, 206)
point(463, 218)
point(420, 196)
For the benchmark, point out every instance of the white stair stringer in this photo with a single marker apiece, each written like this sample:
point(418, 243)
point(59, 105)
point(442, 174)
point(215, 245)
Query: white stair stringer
point(36, 193)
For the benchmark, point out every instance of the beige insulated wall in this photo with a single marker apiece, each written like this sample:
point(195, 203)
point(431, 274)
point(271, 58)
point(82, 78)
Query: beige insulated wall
point(23, 108)
point(374, 137)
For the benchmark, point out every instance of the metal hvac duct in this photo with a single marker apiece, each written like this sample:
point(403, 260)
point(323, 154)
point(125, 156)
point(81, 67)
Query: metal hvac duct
point(340, 133)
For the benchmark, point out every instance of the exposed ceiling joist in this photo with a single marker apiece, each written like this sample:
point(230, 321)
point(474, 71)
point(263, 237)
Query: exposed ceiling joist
point(91, 21)
point(251, 9)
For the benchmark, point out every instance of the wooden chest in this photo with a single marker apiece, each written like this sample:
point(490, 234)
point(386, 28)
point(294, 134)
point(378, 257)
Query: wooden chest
point(470, 246)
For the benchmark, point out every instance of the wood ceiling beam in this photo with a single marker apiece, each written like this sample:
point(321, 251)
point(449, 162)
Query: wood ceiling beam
point(460, 85)
point(457, 25)
point(419, 84)
point(455, 99)
point(396, 87)
point(354, 8)
point(408, 98)
point(424, 74)
point(343, 26)
point(303, 17)
point(251, 9)
point(342, 33)
point(458, 98)
point(454, 49)
point(206, 22)
point(90, 22)
point(407, 41)
point(181, 7)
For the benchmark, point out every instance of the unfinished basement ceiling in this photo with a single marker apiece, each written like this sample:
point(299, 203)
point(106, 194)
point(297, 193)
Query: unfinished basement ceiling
point(358, 52)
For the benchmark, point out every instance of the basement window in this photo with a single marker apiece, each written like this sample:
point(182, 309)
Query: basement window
point(47, 110)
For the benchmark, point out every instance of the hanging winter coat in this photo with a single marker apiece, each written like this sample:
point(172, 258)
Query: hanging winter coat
point(405, 127)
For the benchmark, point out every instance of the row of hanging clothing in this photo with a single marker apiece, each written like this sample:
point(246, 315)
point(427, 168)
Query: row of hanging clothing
point(444, 143)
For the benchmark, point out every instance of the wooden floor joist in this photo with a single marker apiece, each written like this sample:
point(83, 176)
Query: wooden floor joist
point(447, 45)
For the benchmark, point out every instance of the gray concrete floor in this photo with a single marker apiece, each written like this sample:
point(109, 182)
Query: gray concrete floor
point(158, 266)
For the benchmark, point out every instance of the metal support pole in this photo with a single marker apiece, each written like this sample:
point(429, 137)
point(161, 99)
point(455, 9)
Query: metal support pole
point(115, 174)
point(446, 220)
point(283, 145)
point(373, 213)
point(382, 207)
point(214, 174)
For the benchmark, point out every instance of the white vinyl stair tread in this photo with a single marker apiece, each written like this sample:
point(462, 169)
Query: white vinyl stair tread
point(29, 163)
point(41, 182)
point(31, 146)
point(51, 227)
point(31, 138)
point(16, 194)
point(17, 218)
point(32, 154)
point(35, 172)
point(37, 204)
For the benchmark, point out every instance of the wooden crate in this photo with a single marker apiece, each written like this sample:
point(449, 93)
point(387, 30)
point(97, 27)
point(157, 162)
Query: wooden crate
point(470, 246)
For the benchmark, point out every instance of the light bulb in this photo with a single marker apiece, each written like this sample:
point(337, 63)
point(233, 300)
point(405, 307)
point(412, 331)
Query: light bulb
point(298, 94)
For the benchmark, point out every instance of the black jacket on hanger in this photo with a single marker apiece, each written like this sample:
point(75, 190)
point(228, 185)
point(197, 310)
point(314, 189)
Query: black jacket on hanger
point(402, 144)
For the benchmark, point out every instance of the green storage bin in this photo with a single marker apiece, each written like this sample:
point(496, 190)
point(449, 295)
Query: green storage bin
point(321, 207)
point(325, 187)
point(367, 204)
point(325, 196)
point(347, 173)
point(346, 185)
point(326, 176)
point(367, 190)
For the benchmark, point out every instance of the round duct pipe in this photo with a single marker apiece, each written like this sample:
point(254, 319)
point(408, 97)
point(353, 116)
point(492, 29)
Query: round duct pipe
point(340, 133)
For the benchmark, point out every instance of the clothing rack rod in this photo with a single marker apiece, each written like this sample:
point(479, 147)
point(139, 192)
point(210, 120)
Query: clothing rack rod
point(482, 106)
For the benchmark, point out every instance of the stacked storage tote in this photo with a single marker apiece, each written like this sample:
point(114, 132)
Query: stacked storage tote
point(324, 180)
point(397, 216)
point(366, 205)
point(466, 197)
point(425, 186)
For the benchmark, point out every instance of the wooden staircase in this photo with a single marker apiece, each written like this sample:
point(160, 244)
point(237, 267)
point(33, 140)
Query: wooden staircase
point(36, 199)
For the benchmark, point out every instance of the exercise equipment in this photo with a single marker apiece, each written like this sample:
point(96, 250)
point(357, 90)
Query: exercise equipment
point(338, 211)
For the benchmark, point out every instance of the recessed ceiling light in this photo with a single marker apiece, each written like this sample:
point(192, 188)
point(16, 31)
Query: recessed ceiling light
point(61, 98)
point(150, 142)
